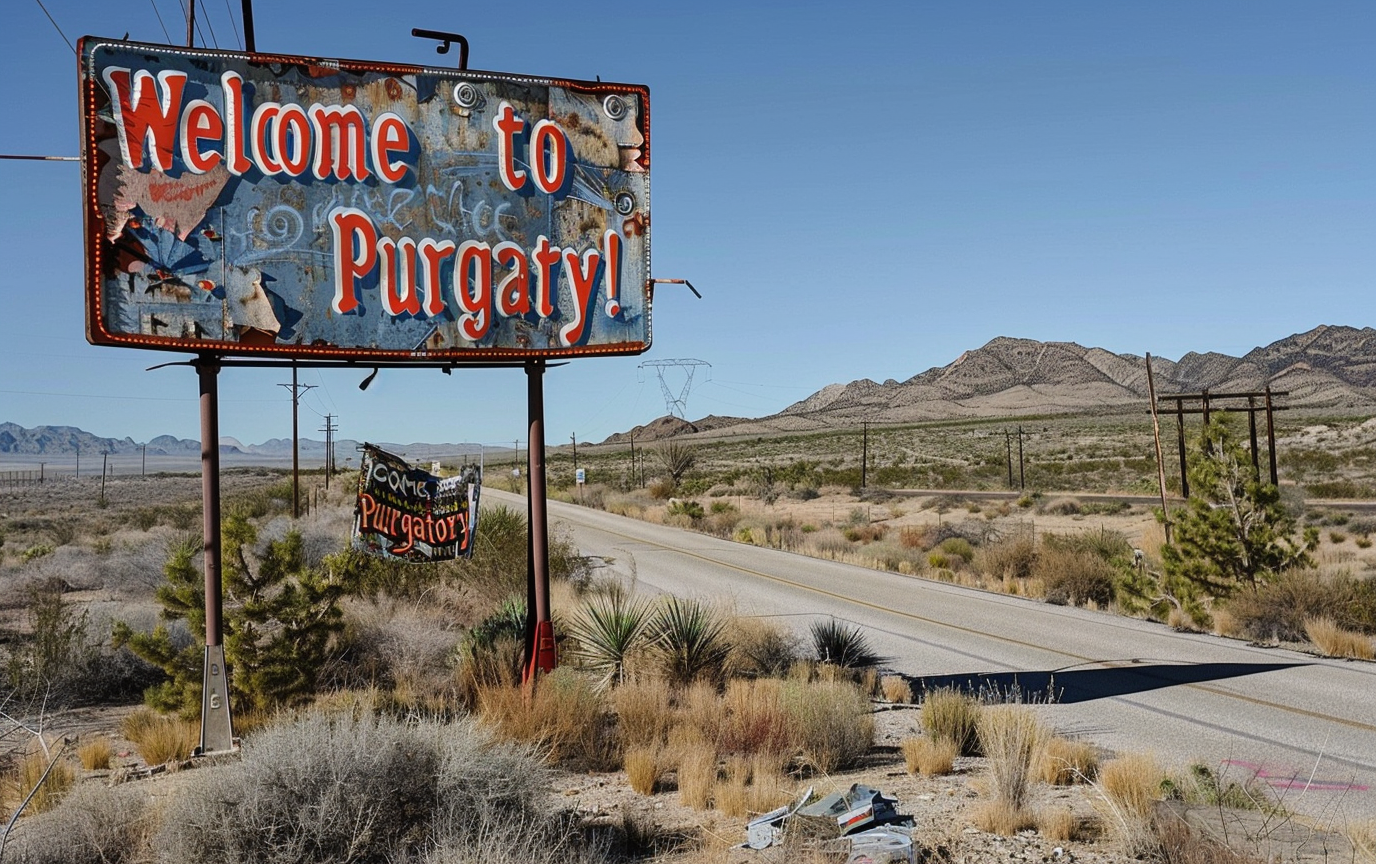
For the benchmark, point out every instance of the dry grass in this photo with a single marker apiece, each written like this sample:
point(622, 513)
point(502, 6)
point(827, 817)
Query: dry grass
point(643, 765)
point(161, 739)
point(769, 787)
point(925, 756)
point(699, 708)
point(760, 647)
point(732, 797)
point(1064, 762)
point(1001, 817)
point(753, 719)
point(831, 722)
point(697, 777)
point(95, 754)
point(23, 777)
point(1334, 641)
point(1012, 739)
point(896, 689)
point(950, 715)
point(1363, 837)
point(564, 716)
point(1225, 623)
point(1057, 824)
point(1177, 843)
point(1128, 788)
point(644, 713)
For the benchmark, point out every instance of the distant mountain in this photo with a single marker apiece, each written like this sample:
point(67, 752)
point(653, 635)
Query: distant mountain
point(1327, 367)
point(69, 440)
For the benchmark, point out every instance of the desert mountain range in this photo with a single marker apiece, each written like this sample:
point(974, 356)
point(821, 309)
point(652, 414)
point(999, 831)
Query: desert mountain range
point(1329, 367)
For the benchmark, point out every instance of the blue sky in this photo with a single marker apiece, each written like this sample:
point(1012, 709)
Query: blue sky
point(859, 190)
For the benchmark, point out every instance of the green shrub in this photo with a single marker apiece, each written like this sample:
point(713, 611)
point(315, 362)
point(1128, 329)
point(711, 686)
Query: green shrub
point(1012, 558)
point(831, 722)
point(692, 509)
point(843, 645)
point(608, 632)
point(951, 715)
point(1074, 577)
point(688, 640)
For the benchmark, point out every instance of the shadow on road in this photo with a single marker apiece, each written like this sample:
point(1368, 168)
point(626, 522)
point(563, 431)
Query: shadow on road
point(1069, 686)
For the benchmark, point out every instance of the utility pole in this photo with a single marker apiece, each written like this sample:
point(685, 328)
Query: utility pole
point(1022, 481)
point(296, 391)
point(104, 464)
point(574, 437)
point(143, 472)
point(329, 429)
point(632, 460)
point(78, 458)
point(1008, 452)
point(865, 455)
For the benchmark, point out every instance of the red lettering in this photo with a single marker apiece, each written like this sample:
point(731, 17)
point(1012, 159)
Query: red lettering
point(340, 145)
point(583, 282)
point(260, 138)
point(398, 279)
point(549, 156)
point(293, 139)
point(145, 114)
point(200, 122)
point(513, 294)
point(434, 252)
point(473, 288)
point(508, 126)
point(355, 254)
point(390, 135)
point(235, 160)
point(611, 258)
point(547, 282)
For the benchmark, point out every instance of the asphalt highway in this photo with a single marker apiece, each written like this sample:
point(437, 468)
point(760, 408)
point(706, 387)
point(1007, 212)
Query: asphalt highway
point(1304, 725)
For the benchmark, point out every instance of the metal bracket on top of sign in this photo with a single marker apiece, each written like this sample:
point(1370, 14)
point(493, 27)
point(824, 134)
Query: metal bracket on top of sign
point(444, 40)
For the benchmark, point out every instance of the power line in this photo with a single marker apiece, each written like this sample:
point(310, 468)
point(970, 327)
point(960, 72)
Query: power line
point(128, 398)
point(55, 27)
point(230, 13)
point(154, 4)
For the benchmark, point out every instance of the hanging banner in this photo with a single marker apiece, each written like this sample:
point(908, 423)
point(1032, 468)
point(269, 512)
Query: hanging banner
point(409, 514)
point(256, 204)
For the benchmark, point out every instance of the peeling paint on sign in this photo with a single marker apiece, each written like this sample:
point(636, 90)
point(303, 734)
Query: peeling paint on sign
point(403, 512)
point(301, 207)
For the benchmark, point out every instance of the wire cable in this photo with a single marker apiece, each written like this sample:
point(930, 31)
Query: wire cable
point(168, 36)
point(232, 23)
point(55, 27)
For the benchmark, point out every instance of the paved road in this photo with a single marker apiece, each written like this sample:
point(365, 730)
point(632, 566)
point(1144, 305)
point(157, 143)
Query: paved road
point(1307, 724)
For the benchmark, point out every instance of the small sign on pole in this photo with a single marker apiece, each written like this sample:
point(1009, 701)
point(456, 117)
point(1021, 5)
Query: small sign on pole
point(580, 476)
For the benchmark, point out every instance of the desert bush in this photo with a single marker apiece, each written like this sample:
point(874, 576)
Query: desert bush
point(1057, 824)
point(1334, 641)
point(1073, 577)
point(28, 776)
point(950, 715)
point(842, 644)
point(1000, 817)
point(609, 630)
point(1012, 739)
point(1064, 762)
point(753, 719)
point(685, 507)
point(94, 824)
point(161, 739)
point(1277, 609)
point(642, 765)
point(564, 717)
point(308, 791)
point(760, 647)
point(57, 660)
point(36, 551)
point(896, 689)
point(927, 756)
point(95, 754)
point(831, 721)
point(958, 547)
point(1128, 789)
point(644, 713)
point(1011, 558)
point(1200, 784)
point(1175, 842)
point(697, 776)
point(688, 640)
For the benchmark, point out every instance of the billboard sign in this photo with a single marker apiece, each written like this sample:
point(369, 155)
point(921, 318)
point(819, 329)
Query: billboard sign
point(409, 514)
point(265, 205)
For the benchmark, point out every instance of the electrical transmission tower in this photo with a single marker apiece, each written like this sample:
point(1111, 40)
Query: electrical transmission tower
point(676, 405)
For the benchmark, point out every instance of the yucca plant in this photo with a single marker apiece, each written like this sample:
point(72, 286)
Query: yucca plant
point(611, 628)
point(689, 639)
point(843, 645)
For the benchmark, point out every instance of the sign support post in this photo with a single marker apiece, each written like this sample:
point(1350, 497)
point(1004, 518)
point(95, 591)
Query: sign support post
point(217, 729)
point(541, 652)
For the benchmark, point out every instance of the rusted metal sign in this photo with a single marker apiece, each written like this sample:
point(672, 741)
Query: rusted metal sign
point(409, 514)
point(302, 207)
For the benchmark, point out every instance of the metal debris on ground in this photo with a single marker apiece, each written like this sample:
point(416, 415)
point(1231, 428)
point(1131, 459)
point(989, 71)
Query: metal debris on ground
point(863, 817)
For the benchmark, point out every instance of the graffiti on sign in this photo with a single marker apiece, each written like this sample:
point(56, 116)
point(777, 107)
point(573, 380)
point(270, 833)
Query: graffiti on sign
point(303, 207)
point(410, 514)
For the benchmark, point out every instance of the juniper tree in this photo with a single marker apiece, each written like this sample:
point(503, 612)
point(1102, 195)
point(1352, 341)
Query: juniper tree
point(1234, 532)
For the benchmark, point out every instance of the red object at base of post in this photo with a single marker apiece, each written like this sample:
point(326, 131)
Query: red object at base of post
point(546, 654)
